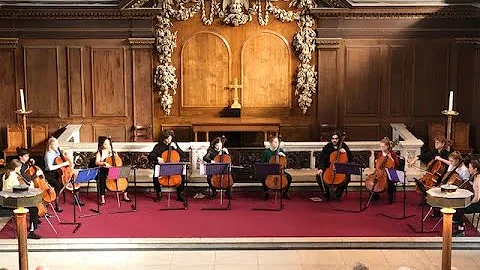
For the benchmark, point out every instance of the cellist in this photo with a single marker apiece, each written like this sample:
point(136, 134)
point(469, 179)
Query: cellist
point(439, 153)
point(156, 158)
point(324, 163)
point(104, 150)
point(24, 157)
point(455, 162)
point(474, 207)
point(386, 150)
point(51, 173)
point(274, 148)
point(216, 148)
point(11, 179)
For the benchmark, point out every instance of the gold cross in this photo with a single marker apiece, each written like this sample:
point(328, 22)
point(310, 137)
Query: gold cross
point(235, 86)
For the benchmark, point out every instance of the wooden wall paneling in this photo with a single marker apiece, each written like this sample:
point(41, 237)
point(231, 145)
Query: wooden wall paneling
point(398, 80)
point(8, 84)
point(296, 133)
point(142, 63)
point(117, 132)
point(109, 86)
point(363, 84)
point(362, 132)
point(329, 70)
point(205, 70)
point(75, 81)
point(38, 135)
point(266, 75)
point(42, 80)
point(431, 77)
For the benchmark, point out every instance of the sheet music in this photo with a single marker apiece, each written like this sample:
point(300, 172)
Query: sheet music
point(396, 175)
point(156, 172)
point(202, 169)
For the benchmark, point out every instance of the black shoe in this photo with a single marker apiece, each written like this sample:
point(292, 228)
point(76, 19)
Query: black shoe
point(228, 194)
point(39, 221)
point(33, 235)
point(58, 209)
point(285, 196)
point(265, 196)
point(375, 197)
point(213, 195)
point(459, 234)
point(158, 197)
point(180, 197)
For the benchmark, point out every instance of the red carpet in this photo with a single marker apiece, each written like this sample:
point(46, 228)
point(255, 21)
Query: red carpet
point(301, 217)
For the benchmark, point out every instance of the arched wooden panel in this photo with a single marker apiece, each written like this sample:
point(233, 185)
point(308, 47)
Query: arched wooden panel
point(205, 71)
point(266, 72)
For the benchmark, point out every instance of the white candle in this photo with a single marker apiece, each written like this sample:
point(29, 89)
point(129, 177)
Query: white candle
point(450, 102)
point(22, 99)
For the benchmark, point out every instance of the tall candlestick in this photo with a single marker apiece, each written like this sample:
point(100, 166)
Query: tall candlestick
point(22, 100)
point(450, 102)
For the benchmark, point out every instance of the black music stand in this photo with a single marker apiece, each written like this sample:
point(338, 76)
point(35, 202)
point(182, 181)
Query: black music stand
point(168, 169)
point(423, 195)
point(122, 172)
point(218, 169)
point(352, 169)
point(82, 176)
point(262, 170)
point(397, 176)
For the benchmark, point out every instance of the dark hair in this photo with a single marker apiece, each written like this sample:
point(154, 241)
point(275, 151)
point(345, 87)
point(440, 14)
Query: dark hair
point(101, 141)
point(215, 141)
point(335, 133)
point(475, 164)
point(22, 151)
point(165, 134)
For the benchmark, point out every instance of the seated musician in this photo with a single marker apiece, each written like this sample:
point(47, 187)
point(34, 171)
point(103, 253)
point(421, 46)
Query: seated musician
point(51, 169)
point(156, 158)
point(386, 150)
point(474, 207)
point(104, 150)
point(455, 162)
point(267, 154)
point(214, 150)
point(12, 178)
point(439, 153)
point(324, 163)
point(24, 157)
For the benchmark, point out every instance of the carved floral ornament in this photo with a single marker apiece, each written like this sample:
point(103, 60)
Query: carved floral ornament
point(234, 13)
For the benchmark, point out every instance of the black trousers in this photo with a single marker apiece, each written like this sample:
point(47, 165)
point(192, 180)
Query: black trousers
point(390, 192)
point(459, 214)
point(102, 180)
point(33, 214)
point(289, 182)
point(328, 189)
point(209, 181)
point(53, 178)
point(158, 188)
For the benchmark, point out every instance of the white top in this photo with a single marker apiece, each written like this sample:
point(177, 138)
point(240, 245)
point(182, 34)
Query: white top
point(11, 180)
point(461, 170)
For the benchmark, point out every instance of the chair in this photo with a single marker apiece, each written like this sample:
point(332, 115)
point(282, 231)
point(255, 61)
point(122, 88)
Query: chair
point(141, 133)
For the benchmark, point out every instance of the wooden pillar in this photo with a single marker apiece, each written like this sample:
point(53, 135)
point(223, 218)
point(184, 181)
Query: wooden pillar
point(447, 238)
point(21, 218)
point(330, 85)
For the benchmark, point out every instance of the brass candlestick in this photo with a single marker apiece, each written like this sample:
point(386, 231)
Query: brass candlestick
point(24, 125)
point(449, 114)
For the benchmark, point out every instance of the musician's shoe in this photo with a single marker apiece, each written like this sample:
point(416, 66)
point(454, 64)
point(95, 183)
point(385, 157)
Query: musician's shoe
point(39, 221)
point(459, 233)
point(158, 197)
point(180, 197)
point(33, 235)
point(58, 209)
point(285, 196)
point(375, 197)
point(228, 194)
point(265, 196)
point(213, 195)
point(126, 199)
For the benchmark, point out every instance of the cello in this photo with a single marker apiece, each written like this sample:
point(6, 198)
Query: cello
point(435, 170)
point(330, 177)
point(115, 185)
point(378, 180)
point(277, 182)
point(222, 181)
point(42, 210)
point(168, 156)
point(66, 172)
point(48, 192)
